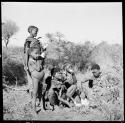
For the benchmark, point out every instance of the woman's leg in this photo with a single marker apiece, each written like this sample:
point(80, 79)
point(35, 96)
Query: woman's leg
point(30, 84)
point(35, 89)
point(41, 89)
point(71, 90)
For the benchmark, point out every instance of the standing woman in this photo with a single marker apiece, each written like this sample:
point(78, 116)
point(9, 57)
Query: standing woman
point(32, 30)
point(34, 61)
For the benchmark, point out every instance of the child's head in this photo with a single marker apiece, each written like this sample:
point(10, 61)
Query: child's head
point(33, 30)
point(55, 72)
point(34, 52)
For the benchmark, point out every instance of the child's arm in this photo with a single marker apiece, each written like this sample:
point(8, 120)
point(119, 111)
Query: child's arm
point(38, 65)
point(27, 57)
point(34, 66)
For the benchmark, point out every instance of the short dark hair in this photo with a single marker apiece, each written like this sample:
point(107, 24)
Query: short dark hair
point(32, 49)
point(95, 66)
point(55, 70)
point(30, 28)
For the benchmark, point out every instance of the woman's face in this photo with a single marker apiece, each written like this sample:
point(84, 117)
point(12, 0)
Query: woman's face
point(58, 75)
point(69, 69)
point(96, 73)
point(34, 32)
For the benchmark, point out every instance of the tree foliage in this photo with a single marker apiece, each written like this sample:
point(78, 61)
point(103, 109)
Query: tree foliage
point(59, 35)
point(76, 54)
point(9, 28)
point(49, 36)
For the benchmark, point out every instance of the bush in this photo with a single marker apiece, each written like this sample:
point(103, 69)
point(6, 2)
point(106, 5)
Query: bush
point(12, 69)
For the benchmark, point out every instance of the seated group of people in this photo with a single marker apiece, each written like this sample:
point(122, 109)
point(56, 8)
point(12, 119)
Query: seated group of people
point(62, 88)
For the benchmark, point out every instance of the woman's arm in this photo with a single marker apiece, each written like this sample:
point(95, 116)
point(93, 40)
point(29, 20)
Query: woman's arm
point(86, 77)
point(74, 78)
point(26, 51)
point(27, 57)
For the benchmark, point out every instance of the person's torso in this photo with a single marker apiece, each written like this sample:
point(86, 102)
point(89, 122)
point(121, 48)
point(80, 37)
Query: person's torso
point(97, 81)
point(31, 42)
point(33, 71)
point(69, 79)
point(55, 83)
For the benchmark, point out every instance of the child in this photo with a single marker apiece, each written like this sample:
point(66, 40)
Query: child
point(55, 86)
point(36, 71)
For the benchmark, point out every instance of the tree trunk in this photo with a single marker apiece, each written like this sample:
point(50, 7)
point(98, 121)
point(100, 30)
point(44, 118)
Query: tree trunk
point(16, 82)
point(6, 41)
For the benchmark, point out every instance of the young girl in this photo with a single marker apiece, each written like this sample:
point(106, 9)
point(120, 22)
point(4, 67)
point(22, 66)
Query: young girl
point(36, 71)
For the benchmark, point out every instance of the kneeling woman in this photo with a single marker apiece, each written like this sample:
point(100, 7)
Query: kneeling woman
point(36, 70)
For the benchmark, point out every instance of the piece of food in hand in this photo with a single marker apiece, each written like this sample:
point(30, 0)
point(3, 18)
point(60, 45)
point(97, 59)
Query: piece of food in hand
point(77, 104)
point(84, 102)
point(43, 55)
point(77, 101)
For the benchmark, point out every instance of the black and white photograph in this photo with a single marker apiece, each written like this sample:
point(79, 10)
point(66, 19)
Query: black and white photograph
point(62, 61)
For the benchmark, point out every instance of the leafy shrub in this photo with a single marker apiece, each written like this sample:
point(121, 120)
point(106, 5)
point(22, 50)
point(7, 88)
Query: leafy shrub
point(12, 68)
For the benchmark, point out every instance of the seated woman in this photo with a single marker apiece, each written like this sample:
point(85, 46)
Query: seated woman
point(70, 82)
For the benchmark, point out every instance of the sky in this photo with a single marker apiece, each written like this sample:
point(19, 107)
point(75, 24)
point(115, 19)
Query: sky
point(79, 22)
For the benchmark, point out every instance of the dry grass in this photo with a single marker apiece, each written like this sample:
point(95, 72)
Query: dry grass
point(16, 106)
